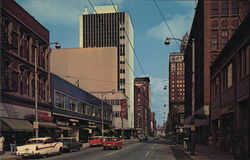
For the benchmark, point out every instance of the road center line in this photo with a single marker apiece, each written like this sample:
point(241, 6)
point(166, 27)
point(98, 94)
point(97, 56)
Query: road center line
point(147, 153)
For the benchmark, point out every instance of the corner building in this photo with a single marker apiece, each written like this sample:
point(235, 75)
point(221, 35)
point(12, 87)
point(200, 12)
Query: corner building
point(213, 24)
point(23, 37)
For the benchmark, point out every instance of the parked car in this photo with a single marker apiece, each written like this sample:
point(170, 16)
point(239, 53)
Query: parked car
point(39, 147)
point(112, 142)
point(142, 138)
point(156, 138)
point(96, 141)
point(70, 144)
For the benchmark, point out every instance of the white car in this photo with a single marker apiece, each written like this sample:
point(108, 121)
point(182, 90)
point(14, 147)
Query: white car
point(39, 147)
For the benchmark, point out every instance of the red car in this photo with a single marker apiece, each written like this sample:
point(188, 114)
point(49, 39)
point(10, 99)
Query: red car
point(95, 141)
point(112, 142)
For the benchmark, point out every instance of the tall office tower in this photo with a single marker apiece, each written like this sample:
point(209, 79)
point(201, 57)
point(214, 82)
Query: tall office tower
point(107, 27)
point(176, 90)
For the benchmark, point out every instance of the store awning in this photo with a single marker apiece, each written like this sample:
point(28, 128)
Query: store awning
point(47, 125)
point(16, 125)
point(65, 128)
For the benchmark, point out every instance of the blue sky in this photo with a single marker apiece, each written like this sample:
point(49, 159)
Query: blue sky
point(61, 18)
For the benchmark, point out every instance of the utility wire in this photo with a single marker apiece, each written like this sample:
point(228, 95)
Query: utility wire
point(113, 39)
point(158, 8)
point(130, 42)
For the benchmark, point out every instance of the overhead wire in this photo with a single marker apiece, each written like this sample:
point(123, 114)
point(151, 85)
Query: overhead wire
point(158, 8)
point(130, 42)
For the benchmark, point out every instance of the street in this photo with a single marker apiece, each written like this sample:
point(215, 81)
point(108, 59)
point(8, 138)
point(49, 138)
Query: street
point(151, 150)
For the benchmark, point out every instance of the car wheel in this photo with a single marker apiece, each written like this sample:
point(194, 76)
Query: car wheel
point(44, 156)
point(116, 147)
point(60, 151)
point(78, 149)
point(104, 148)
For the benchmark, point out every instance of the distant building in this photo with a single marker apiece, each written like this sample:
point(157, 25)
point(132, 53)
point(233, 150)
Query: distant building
point(21, 37)
point(213, 24)
point(142, 114)
point(108, 27)
point(176, 88)
point(230, 95)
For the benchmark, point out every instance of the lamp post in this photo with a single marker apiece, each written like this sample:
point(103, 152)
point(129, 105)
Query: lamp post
point(36, 123)
point(103, 93)
point(167, 42)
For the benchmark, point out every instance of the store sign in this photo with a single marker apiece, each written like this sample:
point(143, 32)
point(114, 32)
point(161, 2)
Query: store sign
point(123, 108)
point(45, 116)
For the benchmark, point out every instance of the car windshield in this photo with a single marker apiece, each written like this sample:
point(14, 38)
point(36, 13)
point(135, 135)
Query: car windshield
point(92, 138)
point(111, 139)
point(34, 141)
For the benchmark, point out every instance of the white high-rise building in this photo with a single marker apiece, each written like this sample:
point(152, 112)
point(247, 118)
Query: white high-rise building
point(108, 27)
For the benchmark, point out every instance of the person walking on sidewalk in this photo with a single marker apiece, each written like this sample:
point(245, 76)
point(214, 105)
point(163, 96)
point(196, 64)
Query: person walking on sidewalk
point(210, 142)
point(13, 144)
point(2, 140)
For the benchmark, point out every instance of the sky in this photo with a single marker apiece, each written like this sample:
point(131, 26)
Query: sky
point(61, 18)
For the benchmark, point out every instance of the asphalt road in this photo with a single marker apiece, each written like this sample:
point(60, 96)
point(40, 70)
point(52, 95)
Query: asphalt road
point(150, 150)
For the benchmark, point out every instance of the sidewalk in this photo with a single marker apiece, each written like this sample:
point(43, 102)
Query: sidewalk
point(201, 152)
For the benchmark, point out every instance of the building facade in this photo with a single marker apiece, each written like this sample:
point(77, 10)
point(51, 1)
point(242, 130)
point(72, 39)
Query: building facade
point(78, 113)
point(23, 37)
point(230, 92)
point(142, 110)
point(107, 27)
point(98, 73)
point(213, 24)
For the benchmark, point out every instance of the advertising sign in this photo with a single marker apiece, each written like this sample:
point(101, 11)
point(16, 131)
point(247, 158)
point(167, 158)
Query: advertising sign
point(124, 108)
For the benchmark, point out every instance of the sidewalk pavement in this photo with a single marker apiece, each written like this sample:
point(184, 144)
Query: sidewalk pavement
point(10, 156)
point(202, 153)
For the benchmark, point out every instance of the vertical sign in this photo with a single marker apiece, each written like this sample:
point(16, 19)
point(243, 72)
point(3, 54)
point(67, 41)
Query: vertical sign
point(123, 108)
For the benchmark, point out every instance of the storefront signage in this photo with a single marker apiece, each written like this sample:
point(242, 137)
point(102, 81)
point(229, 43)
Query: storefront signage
point(35, 125)
point(45, 116)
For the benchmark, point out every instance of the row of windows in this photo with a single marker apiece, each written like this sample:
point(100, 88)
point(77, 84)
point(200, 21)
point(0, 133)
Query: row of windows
point(113, 101)
point(224, 37)
point(225, 7)
point(25, 44)
point(23, 81)
point(68, 103)
point(232, 72)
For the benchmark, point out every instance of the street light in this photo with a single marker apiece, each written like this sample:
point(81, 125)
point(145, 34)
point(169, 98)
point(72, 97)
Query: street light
point(167, 42)
point(36, 124)
point(103, 93)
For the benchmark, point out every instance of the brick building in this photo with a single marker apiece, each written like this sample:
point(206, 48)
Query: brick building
point(142, 111)
point(213, 24)
point(230, 94)
point(21, 37)
point(176, 90)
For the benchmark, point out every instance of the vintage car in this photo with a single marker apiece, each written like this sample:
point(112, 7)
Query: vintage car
point(112, 142)
point(95, 141)
point(70, 144)
point(39, 147)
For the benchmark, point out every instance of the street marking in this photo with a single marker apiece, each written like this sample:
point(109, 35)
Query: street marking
point(147, 153)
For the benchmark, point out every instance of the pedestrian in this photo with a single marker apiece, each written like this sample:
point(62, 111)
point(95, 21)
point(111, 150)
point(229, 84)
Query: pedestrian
point(13, 144)
point(2, 140)
point(185, 142)
point(210, 142)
